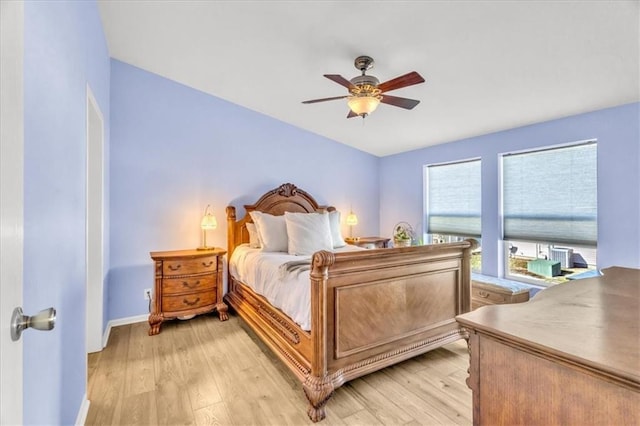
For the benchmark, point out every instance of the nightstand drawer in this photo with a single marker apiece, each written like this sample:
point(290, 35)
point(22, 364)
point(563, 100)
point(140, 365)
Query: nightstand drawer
point(190, 266)
point(187, 301)
point(188, 284)
point(488, 296)
point(493, 294)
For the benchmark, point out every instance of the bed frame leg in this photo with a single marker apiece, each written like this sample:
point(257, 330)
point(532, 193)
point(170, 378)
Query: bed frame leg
point(318, 391)
point(222, 311)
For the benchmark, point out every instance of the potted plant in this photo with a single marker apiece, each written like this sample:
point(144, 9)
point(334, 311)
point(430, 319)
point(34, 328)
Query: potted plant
point(402, 235)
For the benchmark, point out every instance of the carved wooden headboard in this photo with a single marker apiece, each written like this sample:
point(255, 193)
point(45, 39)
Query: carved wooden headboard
point(285, 198)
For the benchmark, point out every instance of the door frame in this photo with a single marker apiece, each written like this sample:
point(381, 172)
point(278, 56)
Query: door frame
point(95, 225)
point(12, 199)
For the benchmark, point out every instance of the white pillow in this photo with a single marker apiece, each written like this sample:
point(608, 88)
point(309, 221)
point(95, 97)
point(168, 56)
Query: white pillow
point(272, 230)
point(254, 237)
point(336, 233)
point(308, 232)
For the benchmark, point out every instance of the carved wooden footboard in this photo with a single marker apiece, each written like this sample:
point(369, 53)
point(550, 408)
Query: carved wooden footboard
point(369, 309)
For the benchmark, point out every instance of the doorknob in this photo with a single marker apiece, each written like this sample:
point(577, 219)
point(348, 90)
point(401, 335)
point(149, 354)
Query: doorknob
point(43, 320)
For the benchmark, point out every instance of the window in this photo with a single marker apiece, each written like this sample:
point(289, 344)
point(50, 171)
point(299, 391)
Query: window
point(549, 205)
point(453, 203)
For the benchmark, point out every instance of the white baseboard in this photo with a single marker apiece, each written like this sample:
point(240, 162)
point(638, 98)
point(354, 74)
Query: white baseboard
point(121, 321)
point(84, 410)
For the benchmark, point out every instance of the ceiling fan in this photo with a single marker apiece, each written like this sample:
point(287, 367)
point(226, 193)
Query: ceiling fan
point(366, 91)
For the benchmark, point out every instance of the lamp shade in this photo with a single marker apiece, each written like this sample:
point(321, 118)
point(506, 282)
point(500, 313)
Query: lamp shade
point(363, 105)
point(352, 219)
point(209, 221)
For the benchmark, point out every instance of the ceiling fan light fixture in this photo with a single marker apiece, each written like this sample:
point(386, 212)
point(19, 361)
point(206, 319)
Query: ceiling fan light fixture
point(363, 105)
point(365, 91)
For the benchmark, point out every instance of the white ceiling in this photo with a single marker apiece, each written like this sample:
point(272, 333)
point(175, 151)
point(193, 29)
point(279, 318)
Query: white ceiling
point(489, 65)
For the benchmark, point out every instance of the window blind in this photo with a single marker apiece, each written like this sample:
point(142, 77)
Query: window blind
point(551, 195)
point(453, 198)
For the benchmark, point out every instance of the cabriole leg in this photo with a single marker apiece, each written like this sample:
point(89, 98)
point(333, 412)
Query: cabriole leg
point(318, 392)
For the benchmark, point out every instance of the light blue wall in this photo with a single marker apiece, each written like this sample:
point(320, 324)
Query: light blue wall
point(618, 133)
point(174, 150)
point(65, 49)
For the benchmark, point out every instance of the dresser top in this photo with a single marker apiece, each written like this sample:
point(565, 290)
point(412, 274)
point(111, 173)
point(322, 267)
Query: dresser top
point(593, 322)
point(186, 254)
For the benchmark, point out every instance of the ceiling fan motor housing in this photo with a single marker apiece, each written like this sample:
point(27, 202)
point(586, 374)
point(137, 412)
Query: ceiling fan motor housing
point(365, 85)
point(364, 80)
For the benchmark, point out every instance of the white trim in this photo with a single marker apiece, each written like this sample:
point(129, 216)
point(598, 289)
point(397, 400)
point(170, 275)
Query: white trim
point(94, 222)
point(119, 322)
point(446, 163)
point(83, 412)
point(12, 386)
point(548, 147)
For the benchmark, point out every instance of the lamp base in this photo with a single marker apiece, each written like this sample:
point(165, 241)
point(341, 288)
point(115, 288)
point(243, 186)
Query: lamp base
point(204, 248)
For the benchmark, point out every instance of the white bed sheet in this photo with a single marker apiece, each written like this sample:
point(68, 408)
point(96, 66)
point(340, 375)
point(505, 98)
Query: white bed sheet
point(290, 292)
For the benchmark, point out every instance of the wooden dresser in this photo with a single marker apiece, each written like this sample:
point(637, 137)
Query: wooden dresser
point(187, 283)
point(570, 356)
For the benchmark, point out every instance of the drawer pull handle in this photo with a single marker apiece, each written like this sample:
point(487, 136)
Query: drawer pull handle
point(174, 268)
point(186, 284)
point(186, 302)
point(206, 265)
point(483, 294)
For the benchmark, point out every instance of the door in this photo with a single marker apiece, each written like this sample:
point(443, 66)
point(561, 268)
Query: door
point(11, 198)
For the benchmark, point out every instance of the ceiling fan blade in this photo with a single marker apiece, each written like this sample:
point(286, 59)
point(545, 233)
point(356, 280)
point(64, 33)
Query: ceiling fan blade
point(313, 101)
point(399, 102)
point(408, 79)
point(340, 80)
point(351, 114)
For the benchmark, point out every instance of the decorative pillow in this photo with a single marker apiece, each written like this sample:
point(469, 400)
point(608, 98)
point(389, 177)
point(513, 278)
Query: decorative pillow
point(254, 237)
point(336, 233)
point(308, 232)
point(272, 231)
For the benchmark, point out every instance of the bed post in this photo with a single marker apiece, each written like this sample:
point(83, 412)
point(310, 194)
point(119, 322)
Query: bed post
point(465, 271)
point(318, 386)
point(231, 230)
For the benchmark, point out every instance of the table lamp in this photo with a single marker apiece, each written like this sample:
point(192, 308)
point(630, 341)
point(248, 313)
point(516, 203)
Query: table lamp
point(351, 220)
point(207, 223)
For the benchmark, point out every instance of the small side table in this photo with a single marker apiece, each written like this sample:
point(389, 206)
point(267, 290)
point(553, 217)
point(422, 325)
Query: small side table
point(376, 242)
point(187, 283)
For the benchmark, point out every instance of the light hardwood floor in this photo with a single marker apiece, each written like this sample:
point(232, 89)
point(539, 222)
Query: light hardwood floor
point(207, 372)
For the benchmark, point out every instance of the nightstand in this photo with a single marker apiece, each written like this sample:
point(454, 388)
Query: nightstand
point(483, 293)
point(369, 242)
point(187, 283)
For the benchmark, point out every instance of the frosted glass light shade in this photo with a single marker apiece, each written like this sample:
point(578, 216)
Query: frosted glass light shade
point(363, 105)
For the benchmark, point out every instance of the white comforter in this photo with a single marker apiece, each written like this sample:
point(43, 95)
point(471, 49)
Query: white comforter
point(281, 278)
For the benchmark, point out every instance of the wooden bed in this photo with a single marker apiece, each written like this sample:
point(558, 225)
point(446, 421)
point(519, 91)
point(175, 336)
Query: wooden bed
point(369, 309)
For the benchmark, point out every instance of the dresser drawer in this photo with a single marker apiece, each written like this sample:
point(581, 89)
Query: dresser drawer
point(188, 284)
point(189, 266)
point(188, 301)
